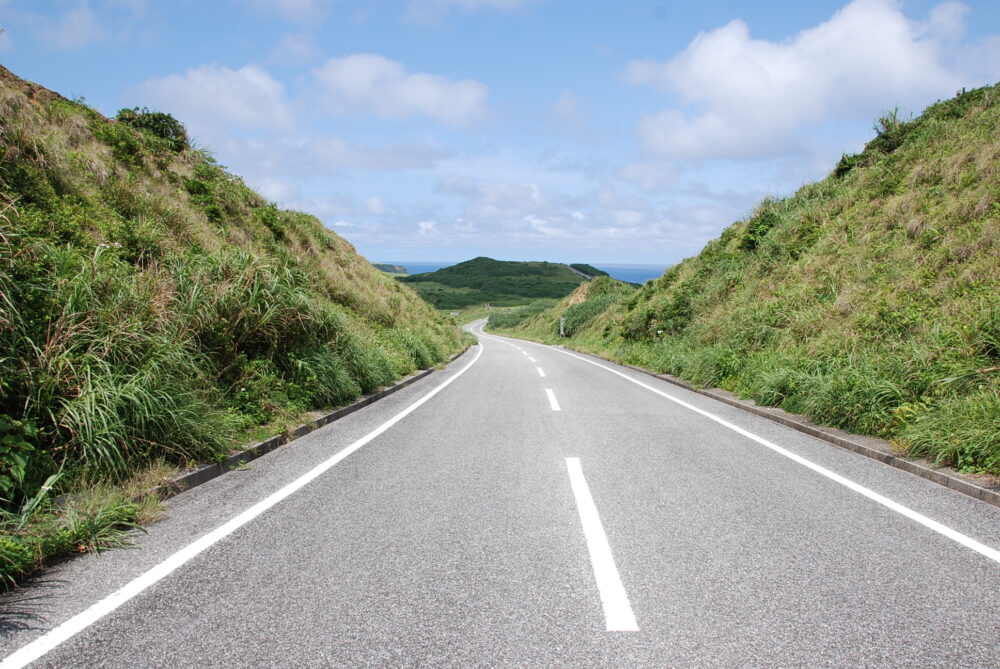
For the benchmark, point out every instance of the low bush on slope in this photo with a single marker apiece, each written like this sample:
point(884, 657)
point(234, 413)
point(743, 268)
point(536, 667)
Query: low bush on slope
point(153, 307)
point(867, 301)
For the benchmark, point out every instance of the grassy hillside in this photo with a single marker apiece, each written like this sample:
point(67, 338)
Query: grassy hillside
point(497, 282)
point(868, 301)
point(154, 308)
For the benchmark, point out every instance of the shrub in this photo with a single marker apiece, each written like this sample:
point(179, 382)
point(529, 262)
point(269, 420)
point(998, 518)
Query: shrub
point(158, 124)
point(758, 227)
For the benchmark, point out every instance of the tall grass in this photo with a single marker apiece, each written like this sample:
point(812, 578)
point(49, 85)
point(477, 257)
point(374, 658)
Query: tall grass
point(153, 308)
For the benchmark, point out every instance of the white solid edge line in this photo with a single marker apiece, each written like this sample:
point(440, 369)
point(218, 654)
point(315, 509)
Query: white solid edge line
point(79, 622)
point(915, 516)
point(552, 399)
point(618, 616)
point(541, 372)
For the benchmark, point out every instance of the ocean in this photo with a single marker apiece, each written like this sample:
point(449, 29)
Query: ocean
point(633, 273)
point(422, 266)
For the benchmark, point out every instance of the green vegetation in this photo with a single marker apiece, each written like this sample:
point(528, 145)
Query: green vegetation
point(495, 282)
point(869, 301)
point(153, 309)
point(389, 269)
point(514, 316)
point(589, 270)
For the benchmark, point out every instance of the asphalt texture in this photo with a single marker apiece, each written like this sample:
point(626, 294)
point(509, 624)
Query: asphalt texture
point(453, 540)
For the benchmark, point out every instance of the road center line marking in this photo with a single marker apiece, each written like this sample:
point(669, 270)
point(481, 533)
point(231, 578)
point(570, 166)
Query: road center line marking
point(530, 359)
point(618, 616)
point(552, 400)
point(940, 528)
point(541, 372)
point(43, 644)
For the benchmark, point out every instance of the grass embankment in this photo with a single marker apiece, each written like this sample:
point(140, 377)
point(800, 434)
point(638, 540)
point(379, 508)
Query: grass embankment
point(153, 309)
point(495, 282)
point(869, 301)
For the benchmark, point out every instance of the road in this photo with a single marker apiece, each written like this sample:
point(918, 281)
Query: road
point(530, 507)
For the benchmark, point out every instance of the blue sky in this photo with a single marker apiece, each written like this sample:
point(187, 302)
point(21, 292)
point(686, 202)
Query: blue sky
point(574, 131)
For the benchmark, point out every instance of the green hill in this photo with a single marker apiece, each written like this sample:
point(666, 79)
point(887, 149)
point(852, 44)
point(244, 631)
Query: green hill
point(868, 301)
point(389, 269)
point(497, 282)
point(154, 308)
point(589, 270)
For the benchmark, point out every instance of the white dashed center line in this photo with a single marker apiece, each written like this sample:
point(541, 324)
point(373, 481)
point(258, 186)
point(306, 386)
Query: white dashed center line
point(552, 400)
point(618, 616)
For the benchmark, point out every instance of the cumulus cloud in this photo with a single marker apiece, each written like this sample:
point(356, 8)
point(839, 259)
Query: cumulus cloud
point(374, 83)
point(212, 96)
point(430, 11)
point(750, 96)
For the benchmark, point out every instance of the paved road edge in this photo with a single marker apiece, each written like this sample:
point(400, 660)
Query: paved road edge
point(869, 447)
point(206, 473)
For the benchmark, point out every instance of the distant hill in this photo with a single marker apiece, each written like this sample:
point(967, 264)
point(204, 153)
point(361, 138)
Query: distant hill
point(589, 270)
point(389, 269)
point(497, 282)
point(868, 301)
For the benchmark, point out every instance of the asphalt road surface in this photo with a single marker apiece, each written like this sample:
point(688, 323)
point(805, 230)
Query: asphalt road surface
point(529, 507)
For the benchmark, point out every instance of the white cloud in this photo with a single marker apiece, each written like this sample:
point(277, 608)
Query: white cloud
point(750, 97)
point(213, 96)
point(294, 49)
point(947, 20)
point(568, 115)
point(430, 11)
point(305, 157)
point(337, 152)
point(650, 175)
point(496, 199)
point(375, 206)
point(276, 189)
point(297, 11)
point(374, 83)
point(427, 228)
point(77, 28)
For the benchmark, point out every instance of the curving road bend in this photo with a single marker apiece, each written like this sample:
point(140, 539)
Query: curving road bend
point(532, 507)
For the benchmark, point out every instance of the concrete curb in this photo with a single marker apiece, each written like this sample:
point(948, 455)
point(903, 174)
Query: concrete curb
point(870, 447)
point(206, 473)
